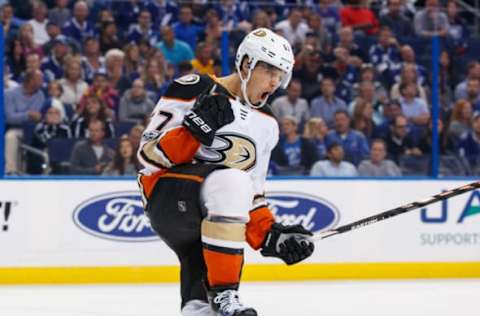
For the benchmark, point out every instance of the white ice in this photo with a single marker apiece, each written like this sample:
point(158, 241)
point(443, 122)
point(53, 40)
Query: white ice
point(355, 298)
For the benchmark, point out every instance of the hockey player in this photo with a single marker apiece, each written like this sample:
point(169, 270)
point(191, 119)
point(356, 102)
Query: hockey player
point(206, 152)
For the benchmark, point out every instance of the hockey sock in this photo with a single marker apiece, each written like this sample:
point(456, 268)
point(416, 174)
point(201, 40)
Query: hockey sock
point(223, 244)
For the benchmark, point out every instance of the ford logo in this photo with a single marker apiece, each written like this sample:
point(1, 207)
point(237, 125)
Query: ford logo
point(314, 213)
point(117, 216)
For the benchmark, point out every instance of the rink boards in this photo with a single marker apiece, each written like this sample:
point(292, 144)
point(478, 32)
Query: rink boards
point(92, 231)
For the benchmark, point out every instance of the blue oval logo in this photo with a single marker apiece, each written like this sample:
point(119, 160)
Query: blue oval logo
point(314, 213)
point(117, 216)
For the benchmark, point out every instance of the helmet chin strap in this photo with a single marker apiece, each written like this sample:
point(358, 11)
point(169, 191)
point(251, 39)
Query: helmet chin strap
point(244, 89)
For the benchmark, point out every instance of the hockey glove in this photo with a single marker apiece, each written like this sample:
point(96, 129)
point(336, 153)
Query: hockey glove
point(209, 113)
point(289, 243)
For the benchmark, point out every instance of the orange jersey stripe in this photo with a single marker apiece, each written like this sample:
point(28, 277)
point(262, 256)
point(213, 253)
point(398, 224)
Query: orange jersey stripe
point(148, 181)
point(261, 220)
point(222, 268)
point(179, 145)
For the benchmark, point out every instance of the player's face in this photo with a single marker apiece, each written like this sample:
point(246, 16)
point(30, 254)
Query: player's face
point(263, 83)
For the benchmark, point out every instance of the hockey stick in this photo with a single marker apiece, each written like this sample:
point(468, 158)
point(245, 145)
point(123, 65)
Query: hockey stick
point(397, 211)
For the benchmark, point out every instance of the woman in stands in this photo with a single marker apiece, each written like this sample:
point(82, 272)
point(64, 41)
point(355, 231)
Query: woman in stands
point(124, 161)
point(94, 109)
point(72, 83)
point(408, 74)
point(460, 121)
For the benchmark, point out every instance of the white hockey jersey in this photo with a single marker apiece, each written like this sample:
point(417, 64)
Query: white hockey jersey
point(244, 144)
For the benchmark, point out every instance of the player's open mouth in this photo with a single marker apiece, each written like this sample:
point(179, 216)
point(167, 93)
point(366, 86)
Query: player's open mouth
point(265, 95)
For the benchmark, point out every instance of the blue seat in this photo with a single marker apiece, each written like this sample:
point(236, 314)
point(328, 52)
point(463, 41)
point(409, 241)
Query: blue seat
point(122, 128)
point(59, 152)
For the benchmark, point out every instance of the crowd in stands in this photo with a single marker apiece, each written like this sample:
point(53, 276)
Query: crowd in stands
point(83, 76)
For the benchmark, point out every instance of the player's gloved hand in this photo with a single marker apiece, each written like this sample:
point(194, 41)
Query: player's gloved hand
point(292, 243)
point(209, 113)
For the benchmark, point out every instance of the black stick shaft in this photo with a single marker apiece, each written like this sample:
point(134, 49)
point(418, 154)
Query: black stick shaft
point(397, 211)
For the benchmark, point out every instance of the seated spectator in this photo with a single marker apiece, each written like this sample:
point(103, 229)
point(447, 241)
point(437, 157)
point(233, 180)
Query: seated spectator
point(8, 81)
point(317, 31)
point(16, 59)
point(132, 61)
point(91, 156)
point(143, 29)
point(345, 72)
point(213, 29)
point(399, 142)
point(59, 14)
point(94, 110)
point(293, 153)
point(385, 54)
point(346, 40)
point(102, 89)
point(11, 24)
point(25, 36)
point(135, 135)
point(473, 93)
point(470, 143)
point(114, 64)
point(308, 70)
point(92, 59)
point(315, 130)
point(446, 80)
point(203, 61)
point(377, 165)
point(54, 32)
point(292, 104)
point(408, 74)
point(328, 104)
point(154, 78)
point(53, 125)
point(174, 50)
point(294, 29)
point(430, 21)
point(473, 72)
point(394, 18)
point(52, 65)
point(22, 105)
point(72, 84)
point(109, 37)
point(124, 162)
point(330, 15)
point(79, 27)
point(354, 144)
point(414, 108)
point(135, 104)
point(407, 55)
point(54, 98)
point(334, 166)
point(362, 119)
point(357, 14)
point(185, 29)
point(39, 23)
point(390, 111)
point(367, 92)
point(460, 121)
point(426, 140)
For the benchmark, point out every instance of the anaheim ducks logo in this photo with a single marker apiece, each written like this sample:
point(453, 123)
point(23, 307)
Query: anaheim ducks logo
point(231, 150)
point(260, 33)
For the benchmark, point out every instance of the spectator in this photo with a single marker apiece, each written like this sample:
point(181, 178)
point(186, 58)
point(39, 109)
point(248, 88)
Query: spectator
point(54, 98)
point(357, 15)
point(315, 130)
point(407, 55)
point(446, 79)
point(79, 27)
point(101, 88)
point(135, 104)
point(203, 62)
point(430, 21)
point(346, 40)
point(293, 153)
point(124, 160)
point(60, 14)
point(10, 23)
point(25, 35)
point(163, 12)
point(399, 142)
point(328, 104)
point(470, 144)
point(367, 93)
point(377, 165)
point(385, 54)
point(185, 29)
point(114, 63)
point(91, 156)
point(391, 110)
point(400, 25)
point(22, 105)
point(329, 13)
point(362, 119)
point(334, 166)
point(16, 59)
point(132, 61)
point(473, 72)
point(460, 121)
point(426, 140)
point(174, 50)
point(368, 74)
point(213, 29)
point(143, 29)
point(154, 79)
point(53, 31)
point(408, 75)
point(345, 71)
point(232, 13)
point(8, 82)
point(92, 59)
point(458, 32)
point(414, 108)
point(292, 104)
point(354, 144)
point(72, 84)
point(135, 136)
point(39, 23)
point(473, 93)
point(109, 37)
point(52, 65)
point(318, 32)
point(94, 110)
point(260, 19)
point(294, 29)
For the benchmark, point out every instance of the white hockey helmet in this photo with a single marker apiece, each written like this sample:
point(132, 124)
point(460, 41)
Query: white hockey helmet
point(264, 45)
